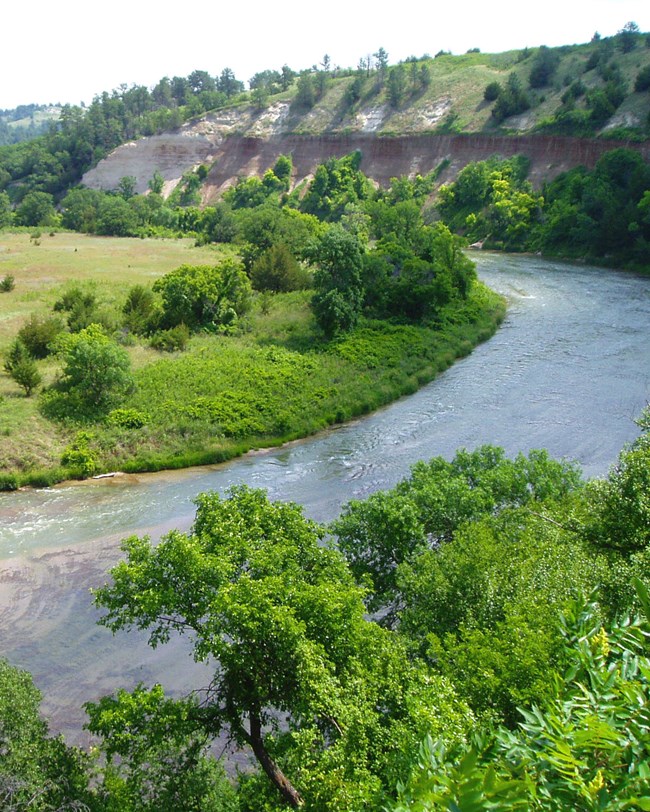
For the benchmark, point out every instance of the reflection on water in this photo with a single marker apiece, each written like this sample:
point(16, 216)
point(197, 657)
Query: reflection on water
point(568, 371)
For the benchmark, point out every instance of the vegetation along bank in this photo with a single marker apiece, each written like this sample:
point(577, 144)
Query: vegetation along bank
point(139, 355)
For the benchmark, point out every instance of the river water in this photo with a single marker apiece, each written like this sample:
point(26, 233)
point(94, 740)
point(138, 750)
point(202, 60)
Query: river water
point(568, 371)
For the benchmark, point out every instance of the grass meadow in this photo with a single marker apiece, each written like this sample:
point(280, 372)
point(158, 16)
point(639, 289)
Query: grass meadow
point(274, 381)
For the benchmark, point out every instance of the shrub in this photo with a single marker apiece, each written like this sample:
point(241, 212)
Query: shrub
point(278, 271)
point(173, 340)
point(39, 333)
point(126, 418)
point(492, 91)
point(7, 284)
point(17, 352)
point(201, 296)
point(96, 375)
point(79, 457)
point(138, 309)
point(83, 309)
point(642, 81)
point(26, 375)
point(8, 482)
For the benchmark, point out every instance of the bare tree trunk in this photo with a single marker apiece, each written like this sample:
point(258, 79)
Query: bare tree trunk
point(275, 774)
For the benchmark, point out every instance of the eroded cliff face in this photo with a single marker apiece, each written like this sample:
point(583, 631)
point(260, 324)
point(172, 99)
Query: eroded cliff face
point(384, 158)
point(242, 144)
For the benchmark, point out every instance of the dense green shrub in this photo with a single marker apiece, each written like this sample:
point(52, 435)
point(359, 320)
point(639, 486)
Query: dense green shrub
point(39, 334)
point(173, 340)
point(278, 271)
point(79, 456)
point(25, 373)
point(96, 376)
point(205, 297)
point(138, 312)
point(642, 81)
point(126, 418)
point(492, 91)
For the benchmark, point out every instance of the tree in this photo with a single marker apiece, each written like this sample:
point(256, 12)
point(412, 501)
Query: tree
point(279, 616)
point(336, 184)
point(39, 333)
point(36, 209)
point(543, 67)
point(627, 37)
point(286, 77)
point(511, 100)
point(26, 374)
point(492, 91)
point(396, 85)
point(96, 374)
point(260, 97)
point(641, 83)
point(37, 772)
point(277, 270)
point(381, 58)
point(228, 84)
point(585, 747)
point(204, 296)
point(337, 303)
point(80, 208)
point(619, 514)
point(306, 92)
point(156, 183)
point(156, 760)
point(6, 214)
point(391, 528)
point(139, 309)
point(200, 81)
point(116, 218)
point(126, 187)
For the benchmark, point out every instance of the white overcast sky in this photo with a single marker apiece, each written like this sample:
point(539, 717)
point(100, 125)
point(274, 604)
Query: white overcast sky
point(71, 50)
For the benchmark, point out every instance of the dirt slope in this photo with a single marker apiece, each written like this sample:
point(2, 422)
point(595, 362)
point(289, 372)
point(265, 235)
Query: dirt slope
point(240, 143)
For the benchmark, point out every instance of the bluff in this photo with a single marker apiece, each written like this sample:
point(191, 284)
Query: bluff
point(231, 155)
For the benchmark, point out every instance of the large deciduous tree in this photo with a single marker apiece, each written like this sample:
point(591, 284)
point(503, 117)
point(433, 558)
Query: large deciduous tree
point(326, 699)
point(37, 772)
point(337, 303)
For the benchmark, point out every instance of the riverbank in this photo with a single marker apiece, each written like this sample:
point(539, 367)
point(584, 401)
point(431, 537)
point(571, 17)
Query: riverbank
point(272, 384)
point(560, 374)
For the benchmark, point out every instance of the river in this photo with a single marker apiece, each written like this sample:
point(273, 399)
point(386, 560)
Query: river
point(568, 371)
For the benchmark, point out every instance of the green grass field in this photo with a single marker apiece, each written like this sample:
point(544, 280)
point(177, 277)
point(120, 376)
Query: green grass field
point(273, 382)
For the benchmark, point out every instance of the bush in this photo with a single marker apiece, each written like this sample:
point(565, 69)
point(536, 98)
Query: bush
point(201, 296)
point(543, 68)
point(642, 81)
point(79, 457)
point(138, 310)
point(8, 482)
point(26, 375)
point(278, 271)
point(17, 352)
point(96, 376)
point(492, 91)
point(174, 340)
point(126, 418)
point(83, 309)
point(39, 333)
point(7, 284)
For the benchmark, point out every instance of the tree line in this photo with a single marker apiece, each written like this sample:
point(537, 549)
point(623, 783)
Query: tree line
point(601, 215)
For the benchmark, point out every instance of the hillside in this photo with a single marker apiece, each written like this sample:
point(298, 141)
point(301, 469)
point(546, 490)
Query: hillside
point(574, 103)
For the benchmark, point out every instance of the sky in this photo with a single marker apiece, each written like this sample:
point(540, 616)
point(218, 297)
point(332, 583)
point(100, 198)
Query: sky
point(72, 50)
